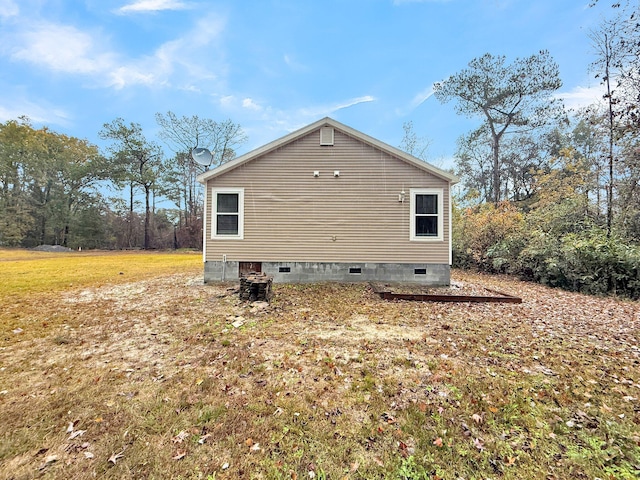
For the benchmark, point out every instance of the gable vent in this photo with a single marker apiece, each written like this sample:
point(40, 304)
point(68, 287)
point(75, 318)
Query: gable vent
point(326, 136)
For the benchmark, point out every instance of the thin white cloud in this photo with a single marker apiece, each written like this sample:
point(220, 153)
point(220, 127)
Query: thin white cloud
point(69, 50)
point(9, 8)
point(294, 65)
point(421, 97)
point(60, 48)
point(14, 105)
point(174, 59)
point(142, 6)
point(325, 110)
point(418, 99)
point(269, 123)
point(227, 101)
point(579, 97)
point(251, 105)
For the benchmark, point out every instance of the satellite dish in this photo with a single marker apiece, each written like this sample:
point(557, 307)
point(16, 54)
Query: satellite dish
point(202, 156)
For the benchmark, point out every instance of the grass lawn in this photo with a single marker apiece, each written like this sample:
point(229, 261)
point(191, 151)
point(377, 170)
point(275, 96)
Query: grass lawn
point(124, 365)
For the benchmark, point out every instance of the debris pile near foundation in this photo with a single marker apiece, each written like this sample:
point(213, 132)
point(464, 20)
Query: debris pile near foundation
point(256, 287)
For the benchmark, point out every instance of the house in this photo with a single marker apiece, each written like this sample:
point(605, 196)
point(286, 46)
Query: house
point(328, 203)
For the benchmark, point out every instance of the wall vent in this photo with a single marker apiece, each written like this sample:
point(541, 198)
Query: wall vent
point(326, 136)
point(419, 271)
point(284, 269)
point(355, 270)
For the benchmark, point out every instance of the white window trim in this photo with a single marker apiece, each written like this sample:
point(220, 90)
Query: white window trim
point(426, 191)
point(214, 216)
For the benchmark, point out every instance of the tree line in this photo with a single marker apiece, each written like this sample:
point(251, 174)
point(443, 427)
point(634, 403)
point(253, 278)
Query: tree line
point(61, 190)
point(548, 194)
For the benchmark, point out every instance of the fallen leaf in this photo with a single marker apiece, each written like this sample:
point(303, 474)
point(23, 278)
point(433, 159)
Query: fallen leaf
point(404, 450)
point(179, 438)
point(388, 418)
point(88, 455)
point(478, 443)
point(116, 456)
point(48, 461)
point(238, 323)
point(438, 442)
point(511, 460)
point(378, 462)
point(70, 427)
point(354, 466)
point(203, 438)
point(476, 418)
point(77, 433)
point(179, 455)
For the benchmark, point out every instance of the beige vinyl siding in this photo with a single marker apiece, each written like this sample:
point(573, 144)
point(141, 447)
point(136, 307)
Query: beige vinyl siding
point(290, 215)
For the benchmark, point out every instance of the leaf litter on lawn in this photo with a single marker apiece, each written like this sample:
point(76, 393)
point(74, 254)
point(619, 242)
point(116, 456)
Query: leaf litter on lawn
point(544, 389)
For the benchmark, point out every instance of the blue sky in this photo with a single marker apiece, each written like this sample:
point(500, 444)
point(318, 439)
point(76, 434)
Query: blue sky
point(274, 65)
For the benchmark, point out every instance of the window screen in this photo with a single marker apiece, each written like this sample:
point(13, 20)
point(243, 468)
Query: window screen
point(227, 214)
point(426, 216)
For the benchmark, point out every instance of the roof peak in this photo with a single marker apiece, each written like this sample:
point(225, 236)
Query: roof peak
point(294, 135)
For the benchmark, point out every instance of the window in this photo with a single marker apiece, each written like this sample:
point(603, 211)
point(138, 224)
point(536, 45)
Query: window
point(228, 213)
point(426, 214)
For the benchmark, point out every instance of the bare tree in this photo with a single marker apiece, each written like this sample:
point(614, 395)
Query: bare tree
point(617, 47)
point(182, 134)
point(412, 144)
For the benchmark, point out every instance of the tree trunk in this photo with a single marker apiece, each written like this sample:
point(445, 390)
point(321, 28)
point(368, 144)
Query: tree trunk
point(495, 150)
point(130, 226)
point(147, 217)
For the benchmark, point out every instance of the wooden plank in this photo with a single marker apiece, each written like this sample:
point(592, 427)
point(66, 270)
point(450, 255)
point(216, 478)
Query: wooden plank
point(419, 297)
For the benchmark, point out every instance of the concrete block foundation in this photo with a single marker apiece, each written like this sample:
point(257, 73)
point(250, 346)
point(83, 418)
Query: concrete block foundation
point(309, 272)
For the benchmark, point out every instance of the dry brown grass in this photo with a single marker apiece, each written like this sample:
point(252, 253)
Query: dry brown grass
point(150, 378)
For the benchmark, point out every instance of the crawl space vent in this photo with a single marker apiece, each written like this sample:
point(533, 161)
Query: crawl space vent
point(326, 136)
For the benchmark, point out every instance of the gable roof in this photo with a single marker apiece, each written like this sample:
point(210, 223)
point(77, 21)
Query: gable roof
point(280, 142)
